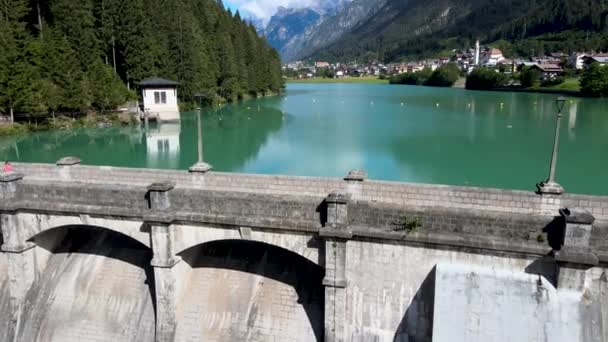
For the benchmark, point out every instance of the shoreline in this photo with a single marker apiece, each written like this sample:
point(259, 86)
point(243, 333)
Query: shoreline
point(343, 80)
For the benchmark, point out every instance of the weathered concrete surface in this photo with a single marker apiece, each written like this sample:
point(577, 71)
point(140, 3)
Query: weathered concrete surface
point(94, 287)
point(4, 299)
point(262, 258)
point(386, 299)
point(245, 291)
point(474, 303)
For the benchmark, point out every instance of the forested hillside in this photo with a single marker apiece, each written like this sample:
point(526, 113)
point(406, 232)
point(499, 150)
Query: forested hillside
point(405, 29)
point(81, 55)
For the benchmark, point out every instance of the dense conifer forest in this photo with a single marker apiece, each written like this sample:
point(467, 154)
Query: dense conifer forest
point(82, 55)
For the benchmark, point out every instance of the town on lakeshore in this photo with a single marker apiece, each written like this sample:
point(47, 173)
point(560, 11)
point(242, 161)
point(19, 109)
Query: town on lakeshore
point(552, 69)
point(303, 170)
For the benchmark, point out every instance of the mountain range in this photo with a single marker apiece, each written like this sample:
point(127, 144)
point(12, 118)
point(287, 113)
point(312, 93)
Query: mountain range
point(391, 30)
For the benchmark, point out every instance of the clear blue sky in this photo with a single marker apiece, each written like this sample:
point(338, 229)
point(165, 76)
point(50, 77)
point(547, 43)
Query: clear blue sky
point(231, 6)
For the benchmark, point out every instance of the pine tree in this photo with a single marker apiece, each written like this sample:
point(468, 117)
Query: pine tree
point(14, 39)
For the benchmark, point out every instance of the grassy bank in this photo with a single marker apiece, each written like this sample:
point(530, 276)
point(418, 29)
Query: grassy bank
point(366, 79)
point(62, 122)
point(570, 84)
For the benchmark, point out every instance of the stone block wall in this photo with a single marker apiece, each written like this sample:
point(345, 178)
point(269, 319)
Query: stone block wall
point(405, 194)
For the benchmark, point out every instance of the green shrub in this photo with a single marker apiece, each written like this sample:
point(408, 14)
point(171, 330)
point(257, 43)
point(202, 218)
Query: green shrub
point(530, 77)
point(13, 129)
point(552, 82)
point(484, 79)
point(444, 76)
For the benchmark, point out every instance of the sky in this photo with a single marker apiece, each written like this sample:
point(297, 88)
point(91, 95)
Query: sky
point(264, 9)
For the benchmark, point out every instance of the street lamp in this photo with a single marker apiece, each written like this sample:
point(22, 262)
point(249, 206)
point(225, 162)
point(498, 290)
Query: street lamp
point(550, 186)
point(200, 166)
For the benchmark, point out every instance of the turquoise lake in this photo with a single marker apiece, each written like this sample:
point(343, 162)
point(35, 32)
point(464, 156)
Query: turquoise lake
point(403, 133)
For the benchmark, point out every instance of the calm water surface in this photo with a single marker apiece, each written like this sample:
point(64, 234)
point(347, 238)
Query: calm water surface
point(415, 134)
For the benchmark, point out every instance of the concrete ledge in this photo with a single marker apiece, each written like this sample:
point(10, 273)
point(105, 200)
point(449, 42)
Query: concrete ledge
point(17, 249)
point(336, 233)
point(10, 177)
point(576, 257)
point(68, 161)
point(356, 176)
point(159, 217)
point(165, 263)
point(161, 186)
point(338, 198)
point(577, 215)
point(341, 284)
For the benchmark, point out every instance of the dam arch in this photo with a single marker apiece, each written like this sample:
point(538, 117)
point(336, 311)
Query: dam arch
point(90, 280)
point(243, 290)
point(31, 225)
point(306, 245)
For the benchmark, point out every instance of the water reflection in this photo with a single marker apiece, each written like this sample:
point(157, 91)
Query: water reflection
point(572, 120)
point(232, 135)
point(162, 146)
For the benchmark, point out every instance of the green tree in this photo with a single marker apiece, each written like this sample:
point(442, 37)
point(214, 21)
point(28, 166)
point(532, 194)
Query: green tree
point(530, 77)
point(109, 91)
point(594, 81)
point(444, 76)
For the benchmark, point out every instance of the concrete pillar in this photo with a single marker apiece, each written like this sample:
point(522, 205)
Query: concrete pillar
point(575, 256)
point(18, 251)
point(164, 260)
point(336, 233)
point(158, 194)
point(8, 186)
point(354, 182)
point(65, 165)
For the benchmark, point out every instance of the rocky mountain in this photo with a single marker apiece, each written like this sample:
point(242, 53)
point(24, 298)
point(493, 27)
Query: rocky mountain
point(301, 31)
point(401, 29)
point(288, 25)
point(391, 30)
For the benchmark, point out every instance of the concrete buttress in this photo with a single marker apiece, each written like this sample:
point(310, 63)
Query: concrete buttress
point(335, 234)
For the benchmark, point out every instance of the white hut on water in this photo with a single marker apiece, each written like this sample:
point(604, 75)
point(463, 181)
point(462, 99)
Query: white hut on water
point(160, 99)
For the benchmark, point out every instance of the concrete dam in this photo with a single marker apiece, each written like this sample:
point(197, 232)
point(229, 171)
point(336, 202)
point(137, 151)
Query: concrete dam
point(115, 254)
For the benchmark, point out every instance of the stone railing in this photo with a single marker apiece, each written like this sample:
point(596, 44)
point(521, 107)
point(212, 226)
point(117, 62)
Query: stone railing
point(361, 189)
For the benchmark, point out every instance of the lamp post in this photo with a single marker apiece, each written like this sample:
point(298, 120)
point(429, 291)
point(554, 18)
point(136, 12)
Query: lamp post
point(551, 186)
point(200, 166)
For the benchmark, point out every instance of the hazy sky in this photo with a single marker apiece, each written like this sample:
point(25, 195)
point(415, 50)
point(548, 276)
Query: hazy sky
point(264, 9)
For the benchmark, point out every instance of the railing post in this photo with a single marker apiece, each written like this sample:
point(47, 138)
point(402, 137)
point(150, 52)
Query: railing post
point(65, 165)
point(164, 261)
point(354, 182)
point(336, 233)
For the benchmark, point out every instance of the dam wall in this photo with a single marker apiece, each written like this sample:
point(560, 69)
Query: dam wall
point(112, 254)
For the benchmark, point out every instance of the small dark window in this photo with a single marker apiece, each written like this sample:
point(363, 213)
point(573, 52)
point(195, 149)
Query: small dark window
point(163, 97)
point(156, 97)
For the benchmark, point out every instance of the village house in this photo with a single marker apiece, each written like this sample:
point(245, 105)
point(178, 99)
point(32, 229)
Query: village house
point(548, 71)
point(577, 61)
point(600, 58)
point(159, 97)
point(321, 64)
point(414, 67)
point(492, 57)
